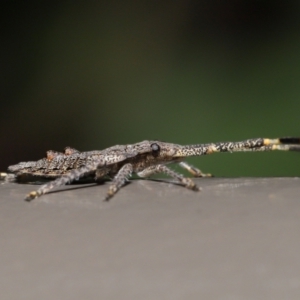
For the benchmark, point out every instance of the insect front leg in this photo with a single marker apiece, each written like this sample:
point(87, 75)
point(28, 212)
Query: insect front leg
point(186, 182)
point(119, 180)
point(194, 171)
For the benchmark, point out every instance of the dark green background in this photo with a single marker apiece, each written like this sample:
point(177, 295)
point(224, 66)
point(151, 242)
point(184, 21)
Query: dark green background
point(91, 74)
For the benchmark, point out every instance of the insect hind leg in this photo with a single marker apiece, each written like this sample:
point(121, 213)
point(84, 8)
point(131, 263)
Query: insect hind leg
point(65, 179)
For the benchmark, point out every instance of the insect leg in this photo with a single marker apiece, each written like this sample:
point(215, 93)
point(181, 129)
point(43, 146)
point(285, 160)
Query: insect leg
point(194, 171)
point(74, 174)
point(119, 180)
point(187, 182)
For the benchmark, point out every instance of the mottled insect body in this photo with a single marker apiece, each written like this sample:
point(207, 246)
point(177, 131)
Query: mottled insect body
point(119, 162)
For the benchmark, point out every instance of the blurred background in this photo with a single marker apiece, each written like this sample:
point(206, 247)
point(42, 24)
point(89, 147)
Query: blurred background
point(92, 74)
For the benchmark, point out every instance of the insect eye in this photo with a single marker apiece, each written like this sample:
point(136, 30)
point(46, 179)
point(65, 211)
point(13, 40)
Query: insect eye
point(155, 148)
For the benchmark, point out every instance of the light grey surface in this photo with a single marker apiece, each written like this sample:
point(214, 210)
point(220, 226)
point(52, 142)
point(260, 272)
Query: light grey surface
point(237, 239)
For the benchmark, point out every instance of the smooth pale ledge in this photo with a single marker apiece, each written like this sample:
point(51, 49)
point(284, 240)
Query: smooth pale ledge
point(236, 239)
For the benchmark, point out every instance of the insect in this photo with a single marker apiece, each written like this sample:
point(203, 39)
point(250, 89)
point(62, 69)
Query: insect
point(119, 162)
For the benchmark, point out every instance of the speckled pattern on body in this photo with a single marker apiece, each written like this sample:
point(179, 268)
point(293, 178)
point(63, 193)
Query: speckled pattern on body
point(120, 161)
